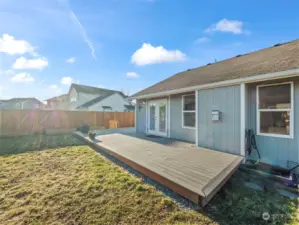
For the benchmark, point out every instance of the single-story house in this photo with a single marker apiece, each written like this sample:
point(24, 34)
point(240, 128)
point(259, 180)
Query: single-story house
point(21, 103)
point(214, 105)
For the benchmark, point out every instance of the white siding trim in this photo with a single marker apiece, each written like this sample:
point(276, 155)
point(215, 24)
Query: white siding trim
point(146, 119)
point(243, 117)
point(136, 105)
point(252, 79)
point(196, 118)
point(292, 122)
point(168, 120)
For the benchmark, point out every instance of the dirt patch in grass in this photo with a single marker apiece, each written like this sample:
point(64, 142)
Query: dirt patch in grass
point(76, 185)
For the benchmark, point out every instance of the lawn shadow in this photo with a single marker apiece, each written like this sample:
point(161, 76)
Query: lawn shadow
point(36, 142)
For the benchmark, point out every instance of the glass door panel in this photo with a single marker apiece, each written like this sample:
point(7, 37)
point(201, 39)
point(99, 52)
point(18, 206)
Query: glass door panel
point(152, 117)
point(157, 117)
point(162, 117)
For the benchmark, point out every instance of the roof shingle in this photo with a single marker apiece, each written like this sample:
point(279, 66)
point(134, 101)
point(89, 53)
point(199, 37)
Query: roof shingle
point(269, 60)
point(93, 90)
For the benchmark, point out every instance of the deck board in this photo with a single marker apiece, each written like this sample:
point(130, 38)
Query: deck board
point(190, 171)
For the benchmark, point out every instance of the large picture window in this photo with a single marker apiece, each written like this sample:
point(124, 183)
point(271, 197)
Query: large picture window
point(275, 110)
point(188, 111)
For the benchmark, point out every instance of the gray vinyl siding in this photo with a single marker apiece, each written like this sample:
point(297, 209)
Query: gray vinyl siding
point(225, 135)
point(140, 117)
point(80, 97)
point(274, 150)
point(176, 129)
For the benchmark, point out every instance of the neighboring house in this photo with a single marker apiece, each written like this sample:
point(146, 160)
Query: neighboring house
point(87, 98)
point(2, 103)
point(213, 105)
point(58, 102)
point(21, 103)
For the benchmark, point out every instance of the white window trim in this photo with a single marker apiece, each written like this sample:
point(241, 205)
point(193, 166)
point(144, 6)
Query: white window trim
point(73, 100)
point(184, 111)
point(18, 105)
point(196, 118)
point(291, 110)
point(168, 114)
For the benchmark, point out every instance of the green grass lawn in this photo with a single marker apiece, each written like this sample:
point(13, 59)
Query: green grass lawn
point(57, 180)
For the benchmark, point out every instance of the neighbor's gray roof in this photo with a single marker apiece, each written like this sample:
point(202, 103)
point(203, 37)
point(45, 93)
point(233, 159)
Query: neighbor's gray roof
point(95, 100)
point(23, 99)
point(269, 60)
point(93, 90)
point(57, 97)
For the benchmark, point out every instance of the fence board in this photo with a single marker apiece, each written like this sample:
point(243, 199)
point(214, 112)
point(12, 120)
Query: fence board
point(19, 122)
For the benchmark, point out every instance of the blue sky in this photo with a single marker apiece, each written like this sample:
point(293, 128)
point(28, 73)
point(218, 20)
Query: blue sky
point(128, 44)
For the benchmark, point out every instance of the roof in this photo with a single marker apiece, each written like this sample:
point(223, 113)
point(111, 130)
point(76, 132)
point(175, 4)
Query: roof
point(93, 90)
point(280, 57)
point(95, 100)
point(23, 99)
point(57, 97)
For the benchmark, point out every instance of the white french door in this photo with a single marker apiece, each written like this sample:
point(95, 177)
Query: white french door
point(157, 117)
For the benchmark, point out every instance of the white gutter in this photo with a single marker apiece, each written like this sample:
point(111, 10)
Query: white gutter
point(257, 78)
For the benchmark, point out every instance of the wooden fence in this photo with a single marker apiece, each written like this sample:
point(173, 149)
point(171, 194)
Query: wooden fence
point(20, 122)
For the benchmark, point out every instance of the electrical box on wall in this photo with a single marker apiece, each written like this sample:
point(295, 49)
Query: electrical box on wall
point(216, 116)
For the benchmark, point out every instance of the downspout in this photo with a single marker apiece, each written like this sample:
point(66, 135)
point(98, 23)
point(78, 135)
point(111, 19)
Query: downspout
point(196, 118)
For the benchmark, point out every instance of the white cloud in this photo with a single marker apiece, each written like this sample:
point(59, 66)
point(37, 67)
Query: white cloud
point(132, 75)
point(225, 25)
point(9, 45)
point(7, 72)
point(22, 78)
point(66, 80)
point(53, 86)
point(71, 60)
point(202, 40)
point(23, 63)
point(149, 54)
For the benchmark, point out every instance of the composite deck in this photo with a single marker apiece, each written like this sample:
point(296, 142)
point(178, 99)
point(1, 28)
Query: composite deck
point(195, 173)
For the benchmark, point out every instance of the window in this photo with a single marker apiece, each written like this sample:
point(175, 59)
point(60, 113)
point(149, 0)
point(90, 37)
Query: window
point(188, 111)
point(73, 100)
point(275, 110)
